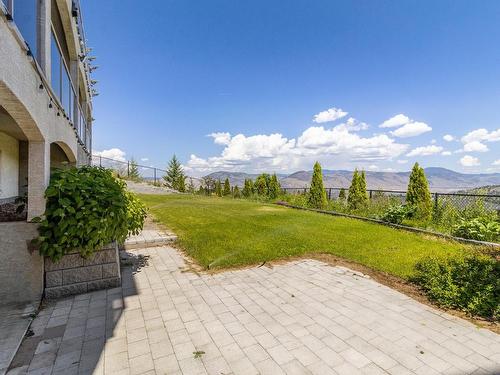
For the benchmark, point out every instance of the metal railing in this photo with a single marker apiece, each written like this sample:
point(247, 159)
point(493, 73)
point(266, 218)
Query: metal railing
point(460, 200)
point(125, 168)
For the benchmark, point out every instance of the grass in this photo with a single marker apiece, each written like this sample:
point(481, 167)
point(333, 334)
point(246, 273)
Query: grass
point(225, 232)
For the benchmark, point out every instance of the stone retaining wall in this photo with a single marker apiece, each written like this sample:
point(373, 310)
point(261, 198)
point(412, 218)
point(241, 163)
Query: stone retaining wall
point(75, 275)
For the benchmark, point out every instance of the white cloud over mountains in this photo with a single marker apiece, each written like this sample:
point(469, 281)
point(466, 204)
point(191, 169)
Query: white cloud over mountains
point(475, 146)
point(425, 151)
point(469, 161)
point(344, 144)
point(341, 142)
point(474, 141)
point(406, 127)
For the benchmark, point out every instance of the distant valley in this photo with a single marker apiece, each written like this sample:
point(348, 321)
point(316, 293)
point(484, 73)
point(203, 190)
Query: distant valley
point(440, 179)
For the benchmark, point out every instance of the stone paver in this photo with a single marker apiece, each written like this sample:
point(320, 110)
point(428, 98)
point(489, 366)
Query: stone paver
point(14, 321)
point(304, 317)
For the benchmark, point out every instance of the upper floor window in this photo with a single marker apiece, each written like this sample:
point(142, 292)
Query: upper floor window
point(60, 78)
point(24, 13)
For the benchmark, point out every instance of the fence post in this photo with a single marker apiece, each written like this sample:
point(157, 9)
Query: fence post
point(371, 193)
point(128, 168)
point(155, 175)
point(100, 161)
point(329, 194)
point(436, 198)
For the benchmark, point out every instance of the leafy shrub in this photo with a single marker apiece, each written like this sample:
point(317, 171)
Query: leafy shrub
point(471, 284)
point(136, 213)
point(300, 200)
point(396, 214)
point(86, 209)
point(482, 229)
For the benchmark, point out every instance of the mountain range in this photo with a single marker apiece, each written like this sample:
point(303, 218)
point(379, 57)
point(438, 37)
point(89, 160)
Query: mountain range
point(440, 179)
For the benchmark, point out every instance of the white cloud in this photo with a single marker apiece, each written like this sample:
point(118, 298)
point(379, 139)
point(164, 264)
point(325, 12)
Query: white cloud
point(395, 121)
point(355, 125)
point(273, 152)
point(469, 161)
point(411, 129)
point(331, 114)
point(425, 151)
point(474, 140)
point(144, 159)
point(338, 140)
point(449, 138)
point(475, 146)
point(372, 167)
point(112, 153)
point(402, 161)
point(496, 162)
point(446, 153)
point(433, 142)
point(481, 135)
point(221, 138)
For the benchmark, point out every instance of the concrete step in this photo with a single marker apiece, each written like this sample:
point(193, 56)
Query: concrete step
point(149, 238)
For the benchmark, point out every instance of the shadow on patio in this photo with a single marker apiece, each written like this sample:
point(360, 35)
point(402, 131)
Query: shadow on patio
point(69, 335)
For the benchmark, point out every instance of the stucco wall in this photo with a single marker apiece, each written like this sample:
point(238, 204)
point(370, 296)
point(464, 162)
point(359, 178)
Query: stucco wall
point(21, 271)
point(18, 74)
point(9, 166)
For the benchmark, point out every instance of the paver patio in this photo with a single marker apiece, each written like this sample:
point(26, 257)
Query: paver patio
point(303, 317)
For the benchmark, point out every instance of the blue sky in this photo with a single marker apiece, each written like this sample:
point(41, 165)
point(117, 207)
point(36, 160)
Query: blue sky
point(236, 85)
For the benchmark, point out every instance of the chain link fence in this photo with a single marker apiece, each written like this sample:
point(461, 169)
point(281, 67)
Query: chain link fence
point(462, 201)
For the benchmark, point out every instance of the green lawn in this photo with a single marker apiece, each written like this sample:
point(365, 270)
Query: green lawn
point(224, 232)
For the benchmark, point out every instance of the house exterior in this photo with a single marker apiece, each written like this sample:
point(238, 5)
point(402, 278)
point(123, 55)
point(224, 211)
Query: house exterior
point(45, 122)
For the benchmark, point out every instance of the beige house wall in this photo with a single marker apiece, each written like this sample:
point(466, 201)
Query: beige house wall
point(9, 166)
point(32, 108)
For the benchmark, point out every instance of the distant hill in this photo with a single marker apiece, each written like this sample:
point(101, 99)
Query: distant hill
point(490, 190)
point(440, 179)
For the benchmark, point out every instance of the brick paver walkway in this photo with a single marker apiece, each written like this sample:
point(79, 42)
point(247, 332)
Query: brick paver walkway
point(304, 317)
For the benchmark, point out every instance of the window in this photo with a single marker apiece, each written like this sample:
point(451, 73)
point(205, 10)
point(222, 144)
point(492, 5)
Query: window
point(55, 68)
point(25, 16)
point(60, 79)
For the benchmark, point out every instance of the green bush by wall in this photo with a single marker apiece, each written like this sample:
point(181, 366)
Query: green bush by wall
point(86, 209)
